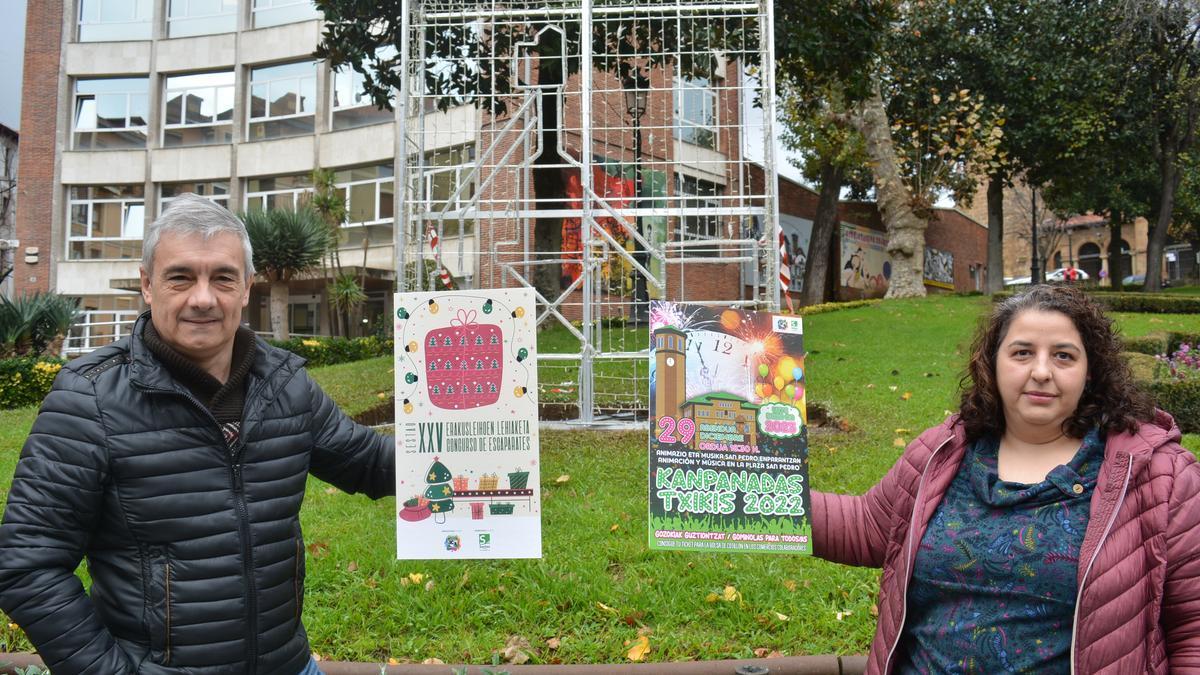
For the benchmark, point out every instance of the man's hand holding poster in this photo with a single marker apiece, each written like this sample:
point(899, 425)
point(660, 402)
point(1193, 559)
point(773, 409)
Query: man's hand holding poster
point(729, 439)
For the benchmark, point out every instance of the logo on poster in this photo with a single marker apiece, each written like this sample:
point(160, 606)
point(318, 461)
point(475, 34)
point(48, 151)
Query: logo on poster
point(485, 541)
point(453, 543)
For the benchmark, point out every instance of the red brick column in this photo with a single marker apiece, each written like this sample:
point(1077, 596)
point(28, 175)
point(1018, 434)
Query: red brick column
point(35, 172)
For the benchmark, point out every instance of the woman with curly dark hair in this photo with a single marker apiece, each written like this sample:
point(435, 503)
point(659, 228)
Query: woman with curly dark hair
point(1053, 525)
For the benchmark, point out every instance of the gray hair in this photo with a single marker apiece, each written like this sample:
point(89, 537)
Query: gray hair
point(192, 214)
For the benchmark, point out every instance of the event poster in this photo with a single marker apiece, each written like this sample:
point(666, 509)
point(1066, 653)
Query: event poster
point(729, 436)
point(865, 263)
point(939, 268)
point(466, 425)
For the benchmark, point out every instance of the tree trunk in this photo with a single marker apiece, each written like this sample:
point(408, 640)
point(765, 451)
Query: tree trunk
point(824, 234)
point(1116, 270)
point(1157, 236)
point(995, 250)
point(906, 230)
point(279, 303)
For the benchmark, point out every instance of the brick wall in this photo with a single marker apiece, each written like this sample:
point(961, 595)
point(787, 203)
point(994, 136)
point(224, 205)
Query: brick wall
point(39, 105)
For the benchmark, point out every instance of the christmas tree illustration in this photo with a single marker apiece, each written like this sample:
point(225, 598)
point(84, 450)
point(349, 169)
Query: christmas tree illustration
point(439, 493)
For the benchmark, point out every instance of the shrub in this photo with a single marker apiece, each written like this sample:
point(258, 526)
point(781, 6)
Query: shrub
point(826, 307)
point(1181, 398)
point(324, 351)
point(1145, 303)
point(25, 381)
point(1152, 344)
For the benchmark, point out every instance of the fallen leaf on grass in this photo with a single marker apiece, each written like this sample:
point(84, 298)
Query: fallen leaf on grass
point(352, 567)
point(902, 432)
point(429, 585)
point(892, 387)
point(514, 650)
point(782, 617)
point(605, 608)
point(614, 528)
point(874, 609)
point(331, 491)
point(841, 615)
point(432, 661)
point(416, 577)
point(764, 653)
point(381, 396)
point(394, 662)
point(870, 385)
point(906, 395)
point(899, 442)
point(789, 584)
point(318, 549)
point(553, 643)
point(712, 597)
point(731, 594)
point(639, 649)
point(562, 479)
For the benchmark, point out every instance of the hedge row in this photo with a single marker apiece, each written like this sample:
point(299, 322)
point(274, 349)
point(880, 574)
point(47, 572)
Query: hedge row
point(1181, 398)
point(1144, 303)
point(826, 307)
point(1160, 343)
point(325, 351)
point(25, 381)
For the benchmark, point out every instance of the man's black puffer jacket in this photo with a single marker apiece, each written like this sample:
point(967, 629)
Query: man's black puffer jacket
point(195, 552)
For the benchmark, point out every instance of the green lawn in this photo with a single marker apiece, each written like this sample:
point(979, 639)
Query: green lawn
point(597, 586)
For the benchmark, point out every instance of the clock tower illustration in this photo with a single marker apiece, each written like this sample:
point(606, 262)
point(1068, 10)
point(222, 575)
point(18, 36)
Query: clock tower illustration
point(670, 354)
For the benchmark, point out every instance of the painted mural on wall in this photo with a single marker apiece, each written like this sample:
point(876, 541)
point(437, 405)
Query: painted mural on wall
point(939, 268)
point(729, 436)
point(466, 425)
point(865, 264)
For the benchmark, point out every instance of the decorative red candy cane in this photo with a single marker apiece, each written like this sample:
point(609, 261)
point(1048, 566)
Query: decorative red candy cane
point(443, 273)
point(785, 270)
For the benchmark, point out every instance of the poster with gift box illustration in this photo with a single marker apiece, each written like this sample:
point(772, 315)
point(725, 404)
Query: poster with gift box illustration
point(466, 425)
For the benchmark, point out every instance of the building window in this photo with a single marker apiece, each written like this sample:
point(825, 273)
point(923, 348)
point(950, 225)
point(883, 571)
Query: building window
point(110, 113)
point(277, 192)
point(696, 112)
point(446, 170)
point(198, 109)
point(352, 107)
point(105, 20)
point(106, 222)
point(283, 100)
point(370, 198)
point(217, 191)
point(102, 319)
point(278, 12)
point(201, 17)
point(696, 195)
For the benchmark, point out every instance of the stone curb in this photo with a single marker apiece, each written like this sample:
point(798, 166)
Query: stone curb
point(787, 665)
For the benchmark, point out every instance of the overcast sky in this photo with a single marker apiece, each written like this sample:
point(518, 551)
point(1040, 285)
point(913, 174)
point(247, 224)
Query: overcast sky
point(12, 53)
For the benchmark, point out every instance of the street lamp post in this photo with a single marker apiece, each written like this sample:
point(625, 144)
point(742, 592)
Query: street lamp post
point(637, 93)
point(1035, 272)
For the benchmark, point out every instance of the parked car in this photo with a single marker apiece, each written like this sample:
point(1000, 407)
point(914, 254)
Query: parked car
point(1060, 275)
point(1140, 280)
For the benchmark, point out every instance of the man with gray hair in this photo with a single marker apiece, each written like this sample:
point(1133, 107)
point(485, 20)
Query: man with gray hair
point(175, 461)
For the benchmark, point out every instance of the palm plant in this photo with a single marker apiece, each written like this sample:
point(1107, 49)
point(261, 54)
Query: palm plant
point(18, 319)
point(286, 243)
point(346, 295)
point(56, 316)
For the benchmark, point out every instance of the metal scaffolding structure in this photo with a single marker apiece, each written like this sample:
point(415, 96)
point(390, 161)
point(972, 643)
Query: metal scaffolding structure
point(599, 153)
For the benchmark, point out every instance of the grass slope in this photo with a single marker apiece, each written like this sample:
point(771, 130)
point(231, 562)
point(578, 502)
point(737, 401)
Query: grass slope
point(597, 585)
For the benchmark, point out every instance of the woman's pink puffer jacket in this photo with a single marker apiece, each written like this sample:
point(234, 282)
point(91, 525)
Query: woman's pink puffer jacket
point(1138, 610)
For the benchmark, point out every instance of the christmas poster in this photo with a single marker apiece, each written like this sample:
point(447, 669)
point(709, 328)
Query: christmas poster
point(466, 425)
point(729, 435)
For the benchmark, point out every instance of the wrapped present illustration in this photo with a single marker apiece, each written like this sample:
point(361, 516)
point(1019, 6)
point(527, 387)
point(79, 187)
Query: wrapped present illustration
point(517, 480)
point(489, 481)
point(501, 509)
point(464, 363)
point(460, 483)
point(476, 510)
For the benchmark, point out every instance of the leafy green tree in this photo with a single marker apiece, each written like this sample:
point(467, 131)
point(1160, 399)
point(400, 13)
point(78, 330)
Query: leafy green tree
point(286, 244)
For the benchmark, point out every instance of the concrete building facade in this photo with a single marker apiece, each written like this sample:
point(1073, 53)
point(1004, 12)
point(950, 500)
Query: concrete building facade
point(128, 103)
